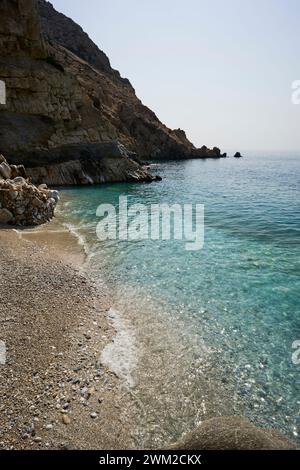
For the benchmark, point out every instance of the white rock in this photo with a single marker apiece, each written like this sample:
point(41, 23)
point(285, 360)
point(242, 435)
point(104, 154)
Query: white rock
point(19, 180)
point(5, 170)
point(53, 195)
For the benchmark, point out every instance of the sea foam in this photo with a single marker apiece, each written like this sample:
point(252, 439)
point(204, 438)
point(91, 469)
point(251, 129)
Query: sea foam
point(121, 355)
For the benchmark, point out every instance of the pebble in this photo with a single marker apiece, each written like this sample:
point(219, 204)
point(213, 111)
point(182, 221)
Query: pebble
point(66, 419)
point(30, 429)
point(49, 401)
point(84, 391)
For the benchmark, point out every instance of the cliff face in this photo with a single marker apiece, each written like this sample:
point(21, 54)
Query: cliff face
point(20, 29)
point(62, 91)
point(62, 30)
point(123, 116)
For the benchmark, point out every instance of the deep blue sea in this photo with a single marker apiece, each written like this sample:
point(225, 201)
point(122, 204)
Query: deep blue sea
point(210, 332)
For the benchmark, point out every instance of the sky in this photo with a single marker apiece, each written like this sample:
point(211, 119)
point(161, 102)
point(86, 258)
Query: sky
point(220, 70)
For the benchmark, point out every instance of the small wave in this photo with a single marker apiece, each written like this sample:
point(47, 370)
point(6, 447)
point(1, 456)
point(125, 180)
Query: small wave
point(120, 356)
point(79, 237)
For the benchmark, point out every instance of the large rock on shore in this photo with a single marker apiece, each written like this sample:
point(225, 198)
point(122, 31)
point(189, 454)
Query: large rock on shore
point(22, 203)
point(233, 433)
point(62, 91)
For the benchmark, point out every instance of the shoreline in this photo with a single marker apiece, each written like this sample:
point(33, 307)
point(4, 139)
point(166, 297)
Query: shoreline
point(57, 395)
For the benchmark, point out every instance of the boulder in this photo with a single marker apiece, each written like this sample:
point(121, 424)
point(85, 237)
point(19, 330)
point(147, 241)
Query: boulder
point(237, 155)
point(22, 203)
point(5, 170)
point(5, 216)
point(53, 195)
point(217, 151)
point(232, 433)
point(19, 180)
point(17, 170)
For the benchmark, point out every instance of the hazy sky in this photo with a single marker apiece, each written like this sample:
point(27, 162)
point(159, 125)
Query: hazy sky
point(219, 69)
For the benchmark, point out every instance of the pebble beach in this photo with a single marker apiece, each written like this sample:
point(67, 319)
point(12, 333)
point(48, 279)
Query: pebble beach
point(55, 392)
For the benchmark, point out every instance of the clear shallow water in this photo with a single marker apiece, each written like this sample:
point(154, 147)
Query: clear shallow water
point(213, 329)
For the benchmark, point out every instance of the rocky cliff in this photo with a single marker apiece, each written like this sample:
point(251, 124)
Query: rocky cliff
point(62, 92)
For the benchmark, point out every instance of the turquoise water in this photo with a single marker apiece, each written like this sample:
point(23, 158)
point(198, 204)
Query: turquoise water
point(213, 329)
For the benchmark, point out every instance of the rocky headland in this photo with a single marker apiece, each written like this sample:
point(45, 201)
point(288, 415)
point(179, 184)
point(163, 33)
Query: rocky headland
point(63, 94)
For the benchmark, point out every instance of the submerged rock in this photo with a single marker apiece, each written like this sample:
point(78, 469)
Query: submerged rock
point(22, 203)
